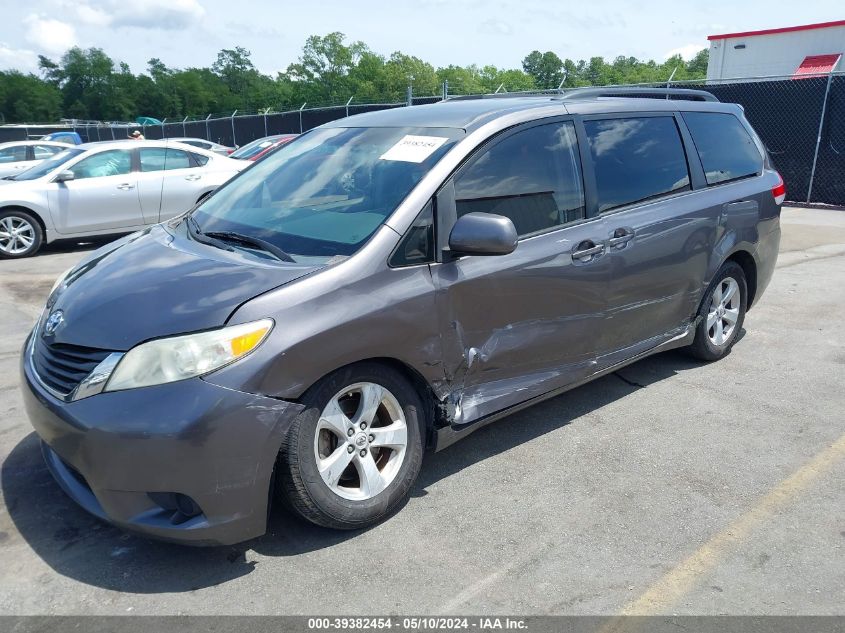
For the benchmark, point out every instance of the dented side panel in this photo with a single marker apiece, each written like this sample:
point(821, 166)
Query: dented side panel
point(518, 326)
point(357, 310)
point(656, 277)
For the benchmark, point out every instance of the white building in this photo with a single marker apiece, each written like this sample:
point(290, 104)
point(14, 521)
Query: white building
point(811, 49)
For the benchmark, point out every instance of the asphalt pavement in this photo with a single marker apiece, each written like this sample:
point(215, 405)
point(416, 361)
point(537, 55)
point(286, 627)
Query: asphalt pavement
point(669, 487)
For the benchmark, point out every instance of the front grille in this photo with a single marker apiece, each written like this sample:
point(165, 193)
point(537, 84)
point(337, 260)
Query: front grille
point(62, 367)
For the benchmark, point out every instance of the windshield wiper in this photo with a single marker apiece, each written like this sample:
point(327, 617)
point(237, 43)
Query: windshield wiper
point(256, 242)
point(196, 232)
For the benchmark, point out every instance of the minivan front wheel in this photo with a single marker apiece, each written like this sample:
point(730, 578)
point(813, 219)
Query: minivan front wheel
point(20, 234)
point(721, 314)
point(353, 454)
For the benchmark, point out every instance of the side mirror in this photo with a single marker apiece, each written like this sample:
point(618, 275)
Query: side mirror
point(64, 176)
point(483, 234)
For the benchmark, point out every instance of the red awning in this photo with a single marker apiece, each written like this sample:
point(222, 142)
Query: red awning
point(816, 65)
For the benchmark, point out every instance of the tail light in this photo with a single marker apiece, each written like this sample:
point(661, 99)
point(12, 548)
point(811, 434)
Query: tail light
point(779, 191)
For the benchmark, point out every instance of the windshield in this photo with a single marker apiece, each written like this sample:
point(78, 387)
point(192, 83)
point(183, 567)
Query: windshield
point(255, 147)
point(325, 193)
point(45, 167)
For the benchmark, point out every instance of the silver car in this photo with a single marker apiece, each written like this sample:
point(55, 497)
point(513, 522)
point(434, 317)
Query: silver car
point(105, 188)
point(211, 146)
point(18, 156)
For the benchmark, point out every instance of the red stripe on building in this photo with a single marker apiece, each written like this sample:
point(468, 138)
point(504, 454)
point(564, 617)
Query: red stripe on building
point(786, 29)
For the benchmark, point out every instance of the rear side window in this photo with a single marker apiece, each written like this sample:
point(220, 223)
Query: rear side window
point(42, 152)
point(13, 154)
point(532, 177)
point(726, 149)
point(636, 159)
point(163, 159)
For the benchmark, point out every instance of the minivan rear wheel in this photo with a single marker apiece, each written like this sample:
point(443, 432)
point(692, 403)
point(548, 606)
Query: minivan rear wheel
point(20, 234)
point(352, 455)
point(721, 314)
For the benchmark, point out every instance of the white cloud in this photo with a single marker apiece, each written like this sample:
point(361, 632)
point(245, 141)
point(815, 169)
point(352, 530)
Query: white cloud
point(495, 27)
point(148, 14)
point(49, 35)
point(91, 16)
point(20, 59)
point(687, 52)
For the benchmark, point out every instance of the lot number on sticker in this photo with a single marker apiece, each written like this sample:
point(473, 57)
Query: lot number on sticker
point(414, 149)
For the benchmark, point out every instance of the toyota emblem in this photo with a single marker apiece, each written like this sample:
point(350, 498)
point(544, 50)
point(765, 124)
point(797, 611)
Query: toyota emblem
point(53, 322)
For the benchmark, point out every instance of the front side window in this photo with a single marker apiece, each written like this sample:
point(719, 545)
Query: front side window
point(726, 149)
point(115, 162)
point(324, 194)
point(163, 159)
point(417, 247)
point(532, 177)
point(636, 159)
point(14, 154)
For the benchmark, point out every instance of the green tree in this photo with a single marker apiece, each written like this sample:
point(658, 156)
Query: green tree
point(87, 83)
point(322, 73)
point(26, 98)
point(546, 68)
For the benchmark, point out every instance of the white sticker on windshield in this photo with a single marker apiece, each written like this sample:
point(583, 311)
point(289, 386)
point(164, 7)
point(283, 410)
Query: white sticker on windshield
point(414, 149)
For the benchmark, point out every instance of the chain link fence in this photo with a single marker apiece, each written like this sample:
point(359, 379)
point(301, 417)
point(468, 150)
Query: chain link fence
point(801, 121)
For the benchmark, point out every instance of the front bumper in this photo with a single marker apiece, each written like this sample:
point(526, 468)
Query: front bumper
point(120, 454)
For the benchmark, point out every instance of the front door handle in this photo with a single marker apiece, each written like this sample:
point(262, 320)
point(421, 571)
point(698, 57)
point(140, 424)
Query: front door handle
point(620, 238)
point(125, 186)
point(587, 250)
point(193, 177)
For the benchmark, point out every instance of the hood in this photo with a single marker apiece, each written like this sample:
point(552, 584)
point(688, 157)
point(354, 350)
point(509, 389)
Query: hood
point(153, 284)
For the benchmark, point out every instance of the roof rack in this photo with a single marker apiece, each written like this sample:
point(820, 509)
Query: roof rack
point(552, 94)
point(636, 92)
point(630, 92)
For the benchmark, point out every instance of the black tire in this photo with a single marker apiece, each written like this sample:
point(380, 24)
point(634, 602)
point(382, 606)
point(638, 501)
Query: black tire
point(19, 215)
point(703, 346)
point(298, 479)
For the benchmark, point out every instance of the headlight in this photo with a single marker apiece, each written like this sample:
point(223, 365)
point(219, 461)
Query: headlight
point(181, 357)
point(59, 281)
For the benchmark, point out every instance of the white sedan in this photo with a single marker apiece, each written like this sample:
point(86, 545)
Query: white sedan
point(18, 156)
point(105, 188)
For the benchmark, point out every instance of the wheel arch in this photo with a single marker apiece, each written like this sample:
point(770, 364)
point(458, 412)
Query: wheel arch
point(431, 413)
point(749, 267)
point(29, 211)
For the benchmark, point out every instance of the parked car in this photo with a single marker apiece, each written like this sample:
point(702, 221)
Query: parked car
point(388, 284)
point(259, 148)
point(70, 138)
point(18, 156)
point(105, 188)
point(217, 148)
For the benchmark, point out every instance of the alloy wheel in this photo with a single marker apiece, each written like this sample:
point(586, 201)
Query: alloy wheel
point(16, 235)
point(724, 311)
point(361, 441)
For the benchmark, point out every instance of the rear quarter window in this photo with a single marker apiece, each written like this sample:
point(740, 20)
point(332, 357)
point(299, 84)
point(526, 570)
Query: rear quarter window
point(726, 149)
point(636, 159)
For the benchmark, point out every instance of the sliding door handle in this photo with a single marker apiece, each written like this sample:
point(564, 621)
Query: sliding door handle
point(620, 237)
point(587, 251)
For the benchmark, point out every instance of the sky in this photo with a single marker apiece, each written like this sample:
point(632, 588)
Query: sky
point(185, 33)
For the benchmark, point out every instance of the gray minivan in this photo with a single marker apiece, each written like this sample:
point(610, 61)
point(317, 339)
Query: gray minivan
point(387, 284)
